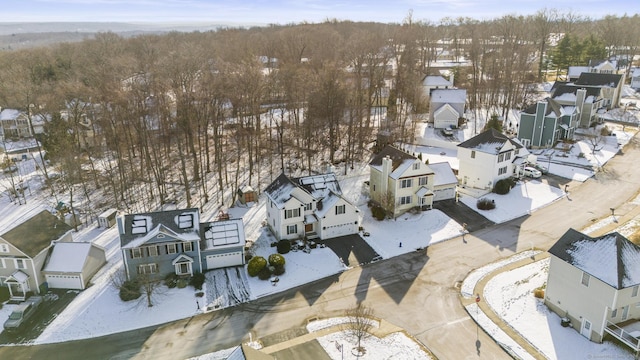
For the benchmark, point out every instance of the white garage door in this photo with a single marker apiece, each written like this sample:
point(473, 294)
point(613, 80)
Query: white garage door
point(339, 230)
point(444, 194)
point(64, 282)
point(224, 260)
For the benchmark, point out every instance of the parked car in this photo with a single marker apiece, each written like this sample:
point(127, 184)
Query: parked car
point(448, 131)
point(542, 169)
point(22, 313)
point(531, 172)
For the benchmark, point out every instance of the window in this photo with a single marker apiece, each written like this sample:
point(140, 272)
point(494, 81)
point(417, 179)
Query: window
point(416, 166)
point(614, 313)
point(374, 188)
point(404, 200)
point(406, 183)
point(473, 154)
point(291, 213)
point(187, 247)
point(585, 279)
point(172, 249)
point(422, 180)
point(185, 221)
point(308, 207)
point(501, 158)
point(20, 264)
point(153, 250)
point(4, 248)
point(502, 170)
point(184, 268)
point(341, 209)
point(634, 291)
point(292, 229)
point(147, 269)
point(2, 265)
point(507, 156)
point(136, 253)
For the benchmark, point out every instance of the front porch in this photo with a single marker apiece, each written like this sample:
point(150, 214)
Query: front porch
point(18, 284)
point(628, 332)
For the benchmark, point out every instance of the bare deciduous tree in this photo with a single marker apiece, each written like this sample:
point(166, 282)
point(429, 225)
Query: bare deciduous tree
point(361, 320)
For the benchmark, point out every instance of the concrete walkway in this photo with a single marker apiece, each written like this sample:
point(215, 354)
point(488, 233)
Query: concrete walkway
point(495, 318)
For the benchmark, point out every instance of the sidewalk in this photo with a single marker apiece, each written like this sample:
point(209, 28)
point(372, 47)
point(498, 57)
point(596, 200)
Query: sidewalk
point(484, 306)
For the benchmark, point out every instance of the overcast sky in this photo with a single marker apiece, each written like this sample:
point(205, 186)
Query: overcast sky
point(291, 11)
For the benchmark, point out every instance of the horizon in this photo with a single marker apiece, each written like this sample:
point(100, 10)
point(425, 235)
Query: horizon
point(261, 12)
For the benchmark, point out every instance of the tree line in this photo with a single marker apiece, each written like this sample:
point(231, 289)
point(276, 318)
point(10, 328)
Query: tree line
point(184, 116)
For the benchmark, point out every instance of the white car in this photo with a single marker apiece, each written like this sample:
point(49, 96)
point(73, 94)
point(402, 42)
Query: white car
point(531, 172)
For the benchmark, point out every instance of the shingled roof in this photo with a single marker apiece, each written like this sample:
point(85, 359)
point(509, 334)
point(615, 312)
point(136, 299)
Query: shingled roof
point(611, 258)
point(488, 141)
point(597, 79)
point(138, 228)
point(37, 233)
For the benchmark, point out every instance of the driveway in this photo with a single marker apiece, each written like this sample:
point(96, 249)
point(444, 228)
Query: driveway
point(462, 214)
point(352, 249)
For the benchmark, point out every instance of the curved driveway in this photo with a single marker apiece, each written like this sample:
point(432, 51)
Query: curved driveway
point(416, 291)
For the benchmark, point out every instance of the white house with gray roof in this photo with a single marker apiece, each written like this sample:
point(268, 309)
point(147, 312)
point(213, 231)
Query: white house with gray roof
point(488, 157)
point(310, 207)
point(446, 107)
point(594, 284)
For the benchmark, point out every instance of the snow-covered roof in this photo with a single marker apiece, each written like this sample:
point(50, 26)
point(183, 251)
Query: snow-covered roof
point(36, 233)
point(400, 161)
point(327, 203)
point(635, 72)
point(222, 233)
point(20, 276)
point(611, 258)
point(490, 141)
point(279, 191)
point(317, 186)
point(435, 80)
point(9, 114)
point(575, 71)
point(68, 257)
point(451, 96)
point(182, 224)
point(443, 174)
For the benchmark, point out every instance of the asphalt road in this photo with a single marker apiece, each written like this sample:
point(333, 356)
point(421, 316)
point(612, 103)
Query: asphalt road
point(416, 291)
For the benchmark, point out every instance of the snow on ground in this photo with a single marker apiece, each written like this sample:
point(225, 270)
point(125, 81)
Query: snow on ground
point(510, 294)
point(527, 196)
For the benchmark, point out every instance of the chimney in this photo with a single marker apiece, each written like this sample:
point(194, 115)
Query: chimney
point(120, 221)
point(451, 76)
point(387, 166)
point(581, 95)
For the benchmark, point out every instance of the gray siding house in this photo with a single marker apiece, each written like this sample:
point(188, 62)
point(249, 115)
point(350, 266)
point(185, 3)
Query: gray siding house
point(545, 123)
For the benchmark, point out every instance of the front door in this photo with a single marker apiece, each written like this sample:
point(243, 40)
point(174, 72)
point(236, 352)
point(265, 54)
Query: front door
point(586, 328)
point(308, 228)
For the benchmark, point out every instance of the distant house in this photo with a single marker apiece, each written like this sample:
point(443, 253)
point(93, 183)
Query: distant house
point(595, 66)
point(610, 86)
point(72, 264)
point(309, 207)
point(446, 107)
point(547, 122)
point(594, 284)
point(400, 182)
point(432, 82)
point(586, 100)
point(14, 124)
point(635, 79)
point(24, 251)
point(488, 157)
point(174, 241)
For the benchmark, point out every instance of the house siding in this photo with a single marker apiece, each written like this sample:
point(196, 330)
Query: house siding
point(163, 259)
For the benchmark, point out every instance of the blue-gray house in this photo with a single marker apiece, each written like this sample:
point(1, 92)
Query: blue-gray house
point(546, 122)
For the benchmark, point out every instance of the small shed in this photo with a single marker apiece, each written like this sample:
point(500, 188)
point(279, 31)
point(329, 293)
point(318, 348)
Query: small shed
point(107, 219)
point(246, 194)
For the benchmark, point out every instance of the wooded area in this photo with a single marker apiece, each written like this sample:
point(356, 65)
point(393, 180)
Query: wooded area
point(188, 115)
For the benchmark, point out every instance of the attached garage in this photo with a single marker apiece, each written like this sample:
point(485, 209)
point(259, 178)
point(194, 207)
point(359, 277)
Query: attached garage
point(224, 260)
point(333, 231)
point(64, 281)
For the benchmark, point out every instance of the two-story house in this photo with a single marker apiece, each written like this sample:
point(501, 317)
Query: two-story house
point(14, 124)
point(587, 100)
point(24, 251)
point(547, 122)
point(446, 107)
point(610, 86)
point(400, 182)
point(488, 157)
point(309, 207)
point(155, 244)
point(594, 283)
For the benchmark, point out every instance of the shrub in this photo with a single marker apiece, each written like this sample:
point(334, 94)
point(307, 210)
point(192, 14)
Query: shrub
point(276, 260)
point(278, 270)
point(378, 212)
point(503, 186)
point(197, 280)
point(4, 294)
point(284, 246)
point(130, 290)
point(539, 293)
point(264, 273)
point(486, 204)
point(182, 283)
point(171, 280)
point(255, 265)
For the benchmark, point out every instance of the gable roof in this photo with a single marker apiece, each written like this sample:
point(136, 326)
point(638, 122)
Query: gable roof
point(611, 258)
point(37, 233)
point(279, 191)
point(565, 88)
point(597, 79)
point(317, 186)
point(400, 161)
point(140, 228)
point(489, 141)
point(218, 234)
point(435, 80)
point(69, 256)
point(452, 96)
point(443, 174)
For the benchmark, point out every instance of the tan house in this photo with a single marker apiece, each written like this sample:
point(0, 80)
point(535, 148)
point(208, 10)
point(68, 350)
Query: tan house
point(400, 182)
point(24, 251)
point(594, 284)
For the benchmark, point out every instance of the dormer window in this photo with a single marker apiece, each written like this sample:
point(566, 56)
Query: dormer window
point(139, 226)
point(185, 221)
